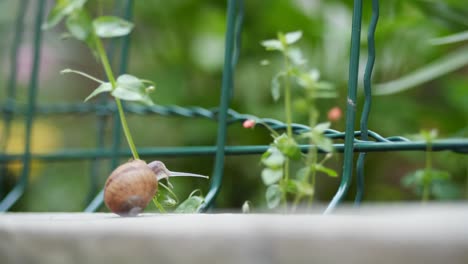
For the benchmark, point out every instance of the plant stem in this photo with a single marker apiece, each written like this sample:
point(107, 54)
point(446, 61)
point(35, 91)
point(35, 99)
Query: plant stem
point(287, 109)
point(427, 181)
point(82, 74)
point(313, 151)
point(287, 97)
point(159, 206)
point(110, 76)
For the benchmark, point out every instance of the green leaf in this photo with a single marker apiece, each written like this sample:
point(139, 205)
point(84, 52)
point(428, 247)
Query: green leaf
point(273, 196)
point(275, 86)
point(293, 37)
point(60, 10)
point(296, 57)
point(324, 86)
point(450, 39)
point(446, 191)
point(191, 205)
point(429, 135)
point(79, 25)
point(413, 179)
point(105, 87)
point(303, 173)
point(324, 143)
point(111, 26)
point(438, 175)
point(131, 88)
point(449, 63)
point(271, 176)
point(321, 168)
point(319, 139)
point(168, 201)
point(272, 44)
point(423, 176)
point(299, 187)
point(288, 146)
point(322, 127)
point(273, 158)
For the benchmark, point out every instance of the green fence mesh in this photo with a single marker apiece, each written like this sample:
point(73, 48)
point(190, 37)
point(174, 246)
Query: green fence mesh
point(362, 141)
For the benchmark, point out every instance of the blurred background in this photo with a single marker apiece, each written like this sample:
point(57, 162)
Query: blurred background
point(180, 46)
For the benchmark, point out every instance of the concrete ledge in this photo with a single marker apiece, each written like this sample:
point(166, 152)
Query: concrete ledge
point(414, 234)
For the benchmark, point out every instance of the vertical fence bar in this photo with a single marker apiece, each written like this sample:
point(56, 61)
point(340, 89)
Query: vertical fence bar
point(18, 190)
point(350, 108)
point(10, 102)
point(227, 84)
point(368, 99)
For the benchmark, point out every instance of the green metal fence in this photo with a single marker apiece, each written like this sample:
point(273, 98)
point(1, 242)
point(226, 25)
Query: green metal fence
point(361, 142)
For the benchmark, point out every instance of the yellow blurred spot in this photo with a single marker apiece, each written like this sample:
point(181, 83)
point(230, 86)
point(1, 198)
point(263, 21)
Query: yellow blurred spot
point(45, 138)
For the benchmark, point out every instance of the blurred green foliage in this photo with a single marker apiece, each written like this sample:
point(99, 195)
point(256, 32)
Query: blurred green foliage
point(179, 45)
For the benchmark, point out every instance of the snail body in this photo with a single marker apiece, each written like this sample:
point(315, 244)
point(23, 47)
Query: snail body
point(132, 185)
point(130, 188)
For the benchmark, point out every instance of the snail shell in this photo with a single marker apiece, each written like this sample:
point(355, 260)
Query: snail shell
point(130, 188)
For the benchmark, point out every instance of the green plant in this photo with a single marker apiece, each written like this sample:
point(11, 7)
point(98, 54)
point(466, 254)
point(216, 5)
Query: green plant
point(125, 87)
point(429, 182)
point(284, 149)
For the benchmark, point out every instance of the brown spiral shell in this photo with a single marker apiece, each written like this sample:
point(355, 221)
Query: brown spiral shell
point(130, 188)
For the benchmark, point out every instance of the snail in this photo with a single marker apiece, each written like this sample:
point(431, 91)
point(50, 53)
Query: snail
point(132, 185)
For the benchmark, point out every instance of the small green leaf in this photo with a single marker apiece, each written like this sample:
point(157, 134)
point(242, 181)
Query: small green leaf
point(272, 44)
point(309, 79)
point(325, 86)
point(413, 179)
point(446, 191)
point(191, 205)
point(290, 186)
point(131, 88)
point(319, 139)
point(429, 135)
point(273, 196)
point(105, 87)
point(130, 82)
point(301, 105)
point(303, 173)
point(111, 26)
point(323, 143)
point(271, 176)
point(322, 127)
point(275, 86)
point(296, 57)
point(321, 168)
point(273, 158)
point(439, 175)
point(293, 37)
point(60, 10)
point(288, 146)
point(79, 25)
point(125, 94)
point(299, 187)
point(168, 202)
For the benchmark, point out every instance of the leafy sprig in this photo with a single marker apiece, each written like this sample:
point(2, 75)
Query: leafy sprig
point(284, 147)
